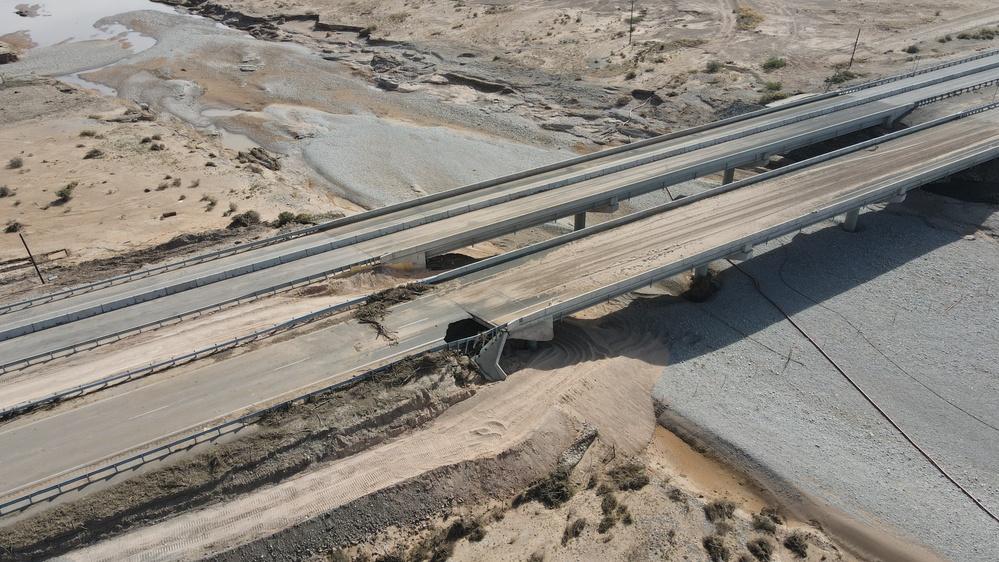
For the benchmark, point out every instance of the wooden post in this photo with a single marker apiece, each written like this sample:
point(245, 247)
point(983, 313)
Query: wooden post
point(32, 258)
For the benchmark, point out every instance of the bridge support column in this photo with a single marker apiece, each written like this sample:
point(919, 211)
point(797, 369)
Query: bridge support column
point(579, 221)
point(896, 198)
point(744, 254)
point(488, 358)
point(729, 176)
point(701, 271)
point(850, 222)
point(611, 207)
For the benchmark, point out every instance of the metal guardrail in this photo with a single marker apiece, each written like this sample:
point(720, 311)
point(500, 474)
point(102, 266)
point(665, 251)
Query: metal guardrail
point(897, 77)
point(555, 311)
point(582, 302)
point(105, 472)
point(528, 173)
point(72, 349)
point(180, 359)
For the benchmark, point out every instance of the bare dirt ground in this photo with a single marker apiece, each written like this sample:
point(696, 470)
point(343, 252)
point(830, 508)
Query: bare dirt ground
point(426, 87)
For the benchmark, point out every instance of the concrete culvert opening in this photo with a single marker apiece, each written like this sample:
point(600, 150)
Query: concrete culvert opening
point(464, 329)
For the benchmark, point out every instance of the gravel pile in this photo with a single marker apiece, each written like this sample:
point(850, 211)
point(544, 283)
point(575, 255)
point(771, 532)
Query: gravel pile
point(907, 307)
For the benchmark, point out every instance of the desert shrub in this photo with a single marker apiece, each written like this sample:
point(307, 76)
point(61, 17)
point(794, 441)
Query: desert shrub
point(762, 549)
point(211, 200)
point(630, 75)
point(88, 133)
point(714, 66)
point(6, 191)
point(719, 510)
point(747, 18)
point(497, 9)
point(764, 524)
point(465, 528)
point(606, 524)
point(774, 86)
point(771, 97)
point(13, 226)
point(195, 183)
point(797, 543)
point(912, 49)
point(841, 76)
point(715, 548)
point(65, 193)
point(157, 137)
point(551, 490)
point(176, 182)
point(162, 186)
point(288, 217)
point(631, 476)
point(15, 163)
point(774, 62)
point(145, 140)
point(157, 146)
point(537, 556)
point(243, 220)
point(608, 504)
point(93, 153)
point(573, 530)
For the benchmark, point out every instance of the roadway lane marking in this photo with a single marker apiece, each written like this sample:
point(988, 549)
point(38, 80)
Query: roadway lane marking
point(290, 364)
point(149, 412)
point(411, 323)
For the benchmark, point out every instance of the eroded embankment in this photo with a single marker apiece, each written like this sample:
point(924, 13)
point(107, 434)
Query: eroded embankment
point(283, 444)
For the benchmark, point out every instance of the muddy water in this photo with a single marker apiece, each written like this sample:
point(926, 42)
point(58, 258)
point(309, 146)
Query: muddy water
point(51, 22)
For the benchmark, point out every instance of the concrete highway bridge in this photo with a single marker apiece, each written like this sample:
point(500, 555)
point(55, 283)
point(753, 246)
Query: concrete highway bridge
point(517, 295)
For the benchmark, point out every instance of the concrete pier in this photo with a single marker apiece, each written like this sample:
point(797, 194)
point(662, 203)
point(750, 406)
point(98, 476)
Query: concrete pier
point(850, 222)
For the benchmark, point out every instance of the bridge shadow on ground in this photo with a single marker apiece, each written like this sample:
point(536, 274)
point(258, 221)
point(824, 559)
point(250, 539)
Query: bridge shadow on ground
point(811, 269)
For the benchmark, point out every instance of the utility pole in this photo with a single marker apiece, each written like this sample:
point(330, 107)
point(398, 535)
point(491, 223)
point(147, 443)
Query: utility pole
point(854, 54)
point(631, 21)
point(32, 258)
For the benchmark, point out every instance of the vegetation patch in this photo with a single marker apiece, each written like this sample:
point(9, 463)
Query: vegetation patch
point(573, 530)
point(747, 18)
point(93, 153)
point(630, 476)
point(243, 220)
point(551, 490)
point(719, 510)
point(774, 62)
point(762, 549)
point(15, 163)
point(288, 217)
point(715, 548)
point(714, 66)
point(841, 76)
point(797, 543)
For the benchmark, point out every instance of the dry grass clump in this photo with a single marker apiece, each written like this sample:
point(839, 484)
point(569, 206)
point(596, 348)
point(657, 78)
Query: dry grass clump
point(719, 510)
point(715, 548)
point(797, 543)
point(747, 18)
point(551, 490)
point(630, 476)
point(761, 548)
point(15, 163)
point(573, 530)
